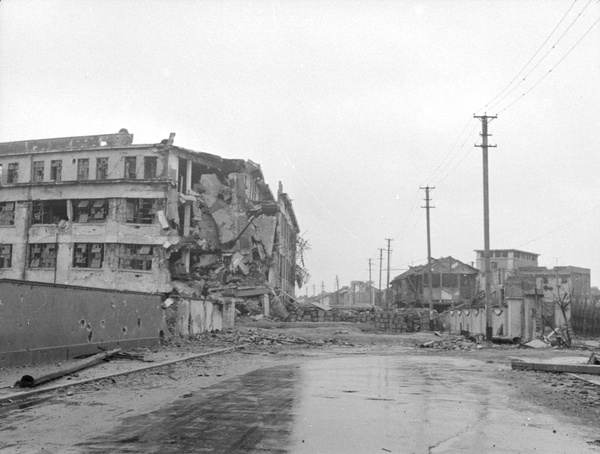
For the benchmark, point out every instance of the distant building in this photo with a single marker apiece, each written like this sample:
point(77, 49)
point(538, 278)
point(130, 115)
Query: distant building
point(453, 283)
point(503, 262)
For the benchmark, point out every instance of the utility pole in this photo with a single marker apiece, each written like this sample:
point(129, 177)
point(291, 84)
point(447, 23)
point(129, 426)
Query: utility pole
point(322, 290)
point(370, 285)
point(380, 267)
point(337, 293)
point(429, 276)
point(387, 286)
point(486, 224)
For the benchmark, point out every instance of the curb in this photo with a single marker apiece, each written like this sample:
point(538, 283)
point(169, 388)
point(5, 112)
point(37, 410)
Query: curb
point(25, 394)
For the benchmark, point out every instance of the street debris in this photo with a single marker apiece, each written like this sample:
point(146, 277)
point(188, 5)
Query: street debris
point(556, 367)
point(455, 342)
point(27, 381)
point(537, 343)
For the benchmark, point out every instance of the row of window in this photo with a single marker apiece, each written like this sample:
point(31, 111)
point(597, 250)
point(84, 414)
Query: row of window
point(137, 211)
point(39, 175)
point(85, 255)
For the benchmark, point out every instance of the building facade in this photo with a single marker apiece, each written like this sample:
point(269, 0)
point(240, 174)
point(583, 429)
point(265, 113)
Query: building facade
point(453, 283)
point(100, 211)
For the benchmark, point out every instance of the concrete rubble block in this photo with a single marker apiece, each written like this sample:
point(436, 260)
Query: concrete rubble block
point(183, 318)
point(197, 317)
point(264, 232)
point(209, 231)
point(226, 224)
point(211, 184)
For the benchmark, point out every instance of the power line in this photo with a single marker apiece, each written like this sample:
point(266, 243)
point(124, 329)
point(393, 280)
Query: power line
point(529, 61)
point(560, 226)
point(551, 69)
point(464, 157)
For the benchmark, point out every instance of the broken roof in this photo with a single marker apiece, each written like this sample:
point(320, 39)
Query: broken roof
point(441, 265)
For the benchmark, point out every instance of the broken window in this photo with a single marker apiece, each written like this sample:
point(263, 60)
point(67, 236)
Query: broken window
point(56, 170)
point(7, 213)
point(130, 163)
point(94, 210)
point(150, 167)
point(83, 169)
point(42, 255)
point(142, 211)
point(12, 175)
point(88, 255)
point(38, 171)
point(5, 255)
point(136, 257)
point(101, 168)
point(48, 211)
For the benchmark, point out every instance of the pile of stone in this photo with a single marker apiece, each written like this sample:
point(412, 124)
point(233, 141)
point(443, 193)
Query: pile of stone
point(315, 314)
point(455, 342)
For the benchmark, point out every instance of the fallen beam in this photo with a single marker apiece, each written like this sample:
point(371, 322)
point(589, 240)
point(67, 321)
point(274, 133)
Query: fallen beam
point(27, 381)
point(549, 367)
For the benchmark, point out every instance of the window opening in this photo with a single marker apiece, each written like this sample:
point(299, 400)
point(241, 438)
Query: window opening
point(5, 255)
point(42, 255)
point(83, 169)
point(48, 211)
point(101, 168)
point(130, 163)
point(56, 170)
point(142, 211)
point(94, 210)
point(38, 171)
point(88, 255)
point(136, 257)
point(7, 213)
point(150, 167)
point(12, 175)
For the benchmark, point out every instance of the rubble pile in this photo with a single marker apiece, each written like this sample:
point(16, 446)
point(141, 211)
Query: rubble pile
point(455, 342)
point(256, 337)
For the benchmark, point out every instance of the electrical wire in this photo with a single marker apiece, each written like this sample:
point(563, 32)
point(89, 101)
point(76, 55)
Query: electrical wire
point(552, 69)
point(448, 153)
point(591, 210)
point(489, 103)
point(464, 157)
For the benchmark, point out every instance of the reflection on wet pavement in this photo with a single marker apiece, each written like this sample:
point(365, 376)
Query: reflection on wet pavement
point(399, 404)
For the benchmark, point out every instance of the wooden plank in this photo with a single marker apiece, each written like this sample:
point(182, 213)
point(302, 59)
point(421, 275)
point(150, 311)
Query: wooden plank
point(547, 367)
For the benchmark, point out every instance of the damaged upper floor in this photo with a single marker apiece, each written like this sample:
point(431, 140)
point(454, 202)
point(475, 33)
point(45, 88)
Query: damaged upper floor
point(84, 203)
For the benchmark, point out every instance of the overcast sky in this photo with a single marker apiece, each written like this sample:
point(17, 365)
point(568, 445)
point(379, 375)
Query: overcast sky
point(352, 105)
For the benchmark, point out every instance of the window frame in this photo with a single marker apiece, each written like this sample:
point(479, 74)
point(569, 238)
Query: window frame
point(47, 255)
point(130, 168)
point(90, 208)
point(136, 257)
point(56, 170)
point(5, 219)
point(12, 173)
point(3, 256)
point(150, 167)
point(143, 211)
point(86, 255)
point(83, 169)
point(102, 168)
point(49, 212)
point(37, 171)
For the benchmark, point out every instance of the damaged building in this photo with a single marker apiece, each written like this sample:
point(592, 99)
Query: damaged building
point(102, 212)
point(453, 283)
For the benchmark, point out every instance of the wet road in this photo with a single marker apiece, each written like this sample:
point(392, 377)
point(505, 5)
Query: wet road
point(366, 404)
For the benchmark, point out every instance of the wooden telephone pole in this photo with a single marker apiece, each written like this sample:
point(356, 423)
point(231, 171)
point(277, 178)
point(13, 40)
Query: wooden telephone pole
point(486, 225)
point(429, 276)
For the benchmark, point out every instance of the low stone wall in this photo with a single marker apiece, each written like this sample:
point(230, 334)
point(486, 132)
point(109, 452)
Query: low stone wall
point(388, 321)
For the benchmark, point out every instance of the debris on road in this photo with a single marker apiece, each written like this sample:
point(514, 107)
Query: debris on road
point(556, 367)
point(456, 342)
point(537, 343)
point(27, 381)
